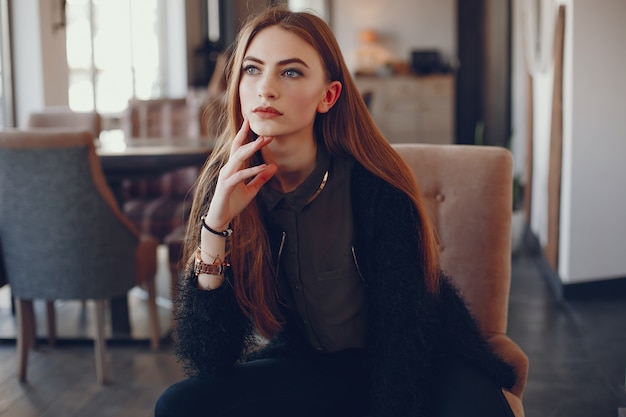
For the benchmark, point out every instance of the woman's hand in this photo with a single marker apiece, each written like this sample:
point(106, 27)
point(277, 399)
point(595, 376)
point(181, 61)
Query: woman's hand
point(236, 187)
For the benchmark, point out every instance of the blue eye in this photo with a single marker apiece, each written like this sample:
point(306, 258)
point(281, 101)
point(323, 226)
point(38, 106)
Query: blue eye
point(292, 73)
point(251, 70)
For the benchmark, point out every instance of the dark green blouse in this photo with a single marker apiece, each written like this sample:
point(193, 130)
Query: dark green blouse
point(315, 261)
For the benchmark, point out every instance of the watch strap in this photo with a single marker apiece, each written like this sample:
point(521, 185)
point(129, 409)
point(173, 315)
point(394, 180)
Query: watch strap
point(212, 269)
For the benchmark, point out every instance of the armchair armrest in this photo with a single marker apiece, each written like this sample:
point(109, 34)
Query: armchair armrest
point(508, 350)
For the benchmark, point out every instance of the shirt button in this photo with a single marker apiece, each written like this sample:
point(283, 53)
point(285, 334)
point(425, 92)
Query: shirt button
point(297, 288)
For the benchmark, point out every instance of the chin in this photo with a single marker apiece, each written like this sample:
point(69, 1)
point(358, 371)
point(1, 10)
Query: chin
point(262, 129)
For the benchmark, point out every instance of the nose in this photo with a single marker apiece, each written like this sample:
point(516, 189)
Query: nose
point(266, 87)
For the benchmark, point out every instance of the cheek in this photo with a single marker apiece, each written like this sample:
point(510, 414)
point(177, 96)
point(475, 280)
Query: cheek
point(306, 102)
point(244, 93)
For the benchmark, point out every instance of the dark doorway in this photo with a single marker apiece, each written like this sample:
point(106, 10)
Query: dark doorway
point(483, 103)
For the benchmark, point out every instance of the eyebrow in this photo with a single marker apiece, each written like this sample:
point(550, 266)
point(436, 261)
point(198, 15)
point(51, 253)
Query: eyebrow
point(283, 62)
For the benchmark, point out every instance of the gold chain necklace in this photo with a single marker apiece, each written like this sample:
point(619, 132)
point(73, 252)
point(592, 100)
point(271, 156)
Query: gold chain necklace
point(319, 189)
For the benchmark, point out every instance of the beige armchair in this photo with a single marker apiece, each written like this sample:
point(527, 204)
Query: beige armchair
point(468, 192)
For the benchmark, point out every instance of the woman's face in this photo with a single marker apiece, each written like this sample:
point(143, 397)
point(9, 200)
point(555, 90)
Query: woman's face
point(283, 84)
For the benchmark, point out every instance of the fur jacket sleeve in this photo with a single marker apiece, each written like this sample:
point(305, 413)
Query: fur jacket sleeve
point(211, 330)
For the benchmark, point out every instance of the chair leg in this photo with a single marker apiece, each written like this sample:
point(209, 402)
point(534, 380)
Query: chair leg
point(154, 315)
point(103, 371)
point(52, 323)
point(25, 323)
point(33, 342)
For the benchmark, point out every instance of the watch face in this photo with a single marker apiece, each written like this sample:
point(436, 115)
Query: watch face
point(211, 269)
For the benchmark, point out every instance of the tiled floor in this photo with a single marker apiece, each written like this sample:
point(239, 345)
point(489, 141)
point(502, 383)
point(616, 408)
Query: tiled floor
point(576, 347)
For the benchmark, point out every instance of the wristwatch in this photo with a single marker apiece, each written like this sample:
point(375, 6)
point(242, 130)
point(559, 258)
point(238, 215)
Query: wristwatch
point(200, 267)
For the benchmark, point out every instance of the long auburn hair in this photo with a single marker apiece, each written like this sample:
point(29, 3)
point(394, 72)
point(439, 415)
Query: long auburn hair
point(347, 129)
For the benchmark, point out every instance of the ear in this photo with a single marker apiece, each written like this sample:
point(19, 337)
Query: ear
point(333, 91)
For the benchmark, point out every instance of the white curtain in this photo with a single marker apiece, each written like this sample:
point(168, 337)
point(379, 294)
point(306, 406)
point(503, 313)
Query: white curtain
point(539, 22)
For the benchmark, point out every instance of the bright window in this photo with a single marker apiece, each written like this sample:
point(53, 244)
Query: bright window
point(6, 100)
point(320, 7)
point(114, 53)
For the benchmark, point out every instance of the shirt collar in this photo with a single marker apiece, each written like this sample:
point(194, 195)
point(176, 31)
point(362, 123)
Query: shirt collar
point(307, 191)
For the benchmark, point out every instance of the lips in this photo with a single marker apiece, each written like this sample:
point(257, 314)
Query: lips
point(267, 112)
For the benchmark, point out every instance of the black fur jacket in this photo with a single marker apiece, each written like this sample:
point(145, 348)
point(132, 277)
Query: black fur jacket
point(410, 332)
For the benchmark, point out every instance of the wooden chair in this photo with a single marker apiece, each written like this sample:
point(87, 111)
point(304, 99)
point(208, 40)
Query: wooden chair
point(63, 235)
point(64, 117)
point(468, 192)
point(156, 206)
point(156, 118)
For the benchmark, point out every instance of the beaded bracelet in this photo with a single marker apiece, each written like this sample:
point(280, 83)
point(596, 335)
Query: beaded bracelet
point(225, 233)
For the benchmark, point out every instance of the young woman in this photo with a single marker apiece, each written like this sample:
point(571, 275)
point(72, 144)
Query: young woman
point(313, 285)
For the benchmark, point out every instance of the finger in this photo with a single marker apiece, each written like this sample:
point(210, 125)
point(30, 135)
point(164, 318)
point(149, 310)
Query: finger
point(263, 176)
point(247, 151)
point(251, 148)
point(243, 175)
point(241, 135)
point(234, 162)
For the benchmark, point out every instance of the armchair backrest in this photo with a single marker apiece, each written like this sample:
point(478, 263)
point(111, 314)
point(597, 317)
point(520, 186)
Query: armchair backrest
point(156, 118)
point(64, 117)
point(468, 192)
point(62, 234)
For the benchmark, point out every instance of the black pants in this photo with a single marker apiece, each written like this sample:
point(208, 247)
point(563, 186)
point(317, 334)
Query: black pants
point(327, 385)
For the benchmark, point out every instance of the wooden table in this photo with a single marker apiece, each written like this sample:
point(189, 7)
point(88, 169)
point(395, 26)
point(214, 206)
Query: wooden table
point(140, 158)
